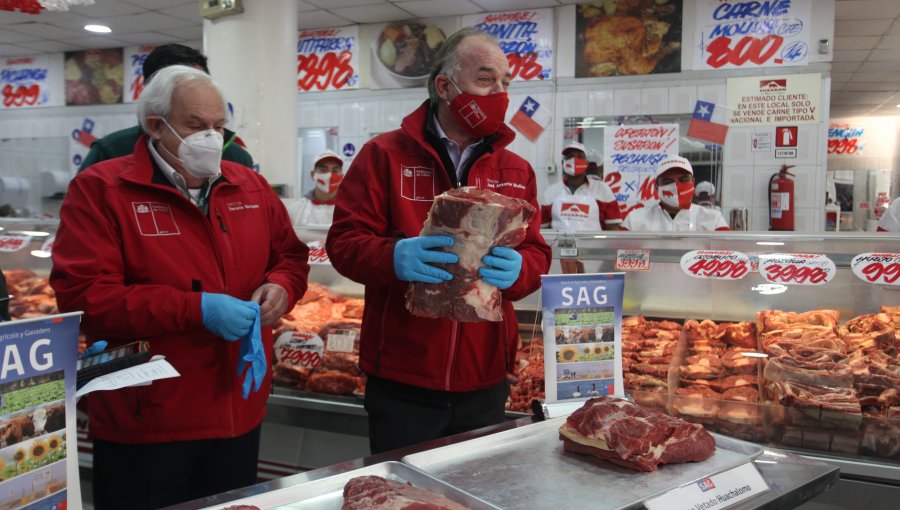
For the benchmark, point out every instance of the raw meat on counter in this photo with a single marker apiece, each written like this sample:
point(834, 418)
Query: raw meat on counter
point(478, 219)
point(530, 385)
point(633, 436)
point(377, 493)
point(648, 348)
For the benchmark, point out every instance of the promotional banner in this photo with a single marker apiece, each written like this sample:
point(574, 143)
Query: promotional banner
point(769, 100)
point(134, 71)
point(526, 37)
point(845, 138)
point(628, 38)
point(582, 325)
point(403, 51)
point(24, 82)
point(630, 156)
point(94, 77)
point(39, 452)
point(746, 35)
point(328, 59)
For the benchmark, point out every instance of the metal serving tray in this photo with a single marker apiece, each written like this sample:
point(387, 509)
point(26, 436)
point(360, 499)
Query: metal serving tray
point(527, 468)
point(327, 493)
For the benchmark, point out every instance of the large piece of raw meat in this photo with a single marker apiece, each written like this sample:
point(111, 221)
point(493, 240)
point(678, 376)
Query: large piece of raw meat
point(633, 436)
point(478, 220)
point(377, 493)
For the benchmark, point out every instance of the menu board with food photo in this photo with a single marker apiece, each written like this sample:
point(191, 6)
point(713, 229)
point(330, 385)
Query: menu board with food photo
point(403, 51)
point(616, 38)
point(94, 77)
point(582, 318)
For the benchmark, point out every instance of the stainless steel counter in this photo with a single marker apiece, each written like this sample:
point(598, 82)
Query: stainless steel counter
point(792, 479)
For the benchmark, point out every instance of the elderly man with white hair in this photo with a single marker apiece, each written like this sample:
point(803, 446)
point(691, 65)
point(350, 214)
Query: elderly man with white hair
point(175, 246)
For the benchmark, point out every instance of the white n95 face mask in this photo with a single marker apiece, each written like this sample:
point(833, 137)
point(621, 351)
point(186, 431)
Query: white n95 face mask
point(200, 153)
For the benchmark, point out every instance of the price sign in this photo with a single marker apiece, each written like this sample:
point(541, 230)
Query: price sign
point(796, 268)
point(25, 82)
point(11, 243)
point(328, 59)
point(632, 260)
point(715, 264)
point(883, 268)
point(317, 254)
point(299, 349)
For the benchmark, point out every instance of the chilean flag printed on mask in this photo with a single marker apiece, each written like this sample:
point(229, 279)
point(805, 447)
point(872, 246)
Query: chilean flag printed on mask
point(473, 114)
point(530, 119)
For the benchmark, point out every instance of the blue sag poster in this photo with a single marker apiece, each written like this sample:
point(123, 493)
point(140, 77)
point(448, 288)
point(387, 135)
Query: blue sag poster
point(38, 450)
point(582, 325)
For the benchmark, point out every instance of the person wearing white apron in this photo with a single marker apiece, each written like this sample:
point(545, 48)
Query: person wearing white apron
point(579, 204)
point(316, 207)
point(674, 212)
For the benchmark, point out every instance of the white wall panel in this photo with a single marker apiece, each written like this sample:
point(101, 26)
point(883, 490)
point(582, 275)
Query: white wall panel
point(627, 101)
point(654, 100)
point(601, 103)
point(682, 99)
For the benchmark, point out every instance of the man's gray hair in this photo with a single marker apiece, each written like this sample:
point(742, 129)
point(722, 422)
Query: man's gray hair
point(156, 98)
point(446, 60)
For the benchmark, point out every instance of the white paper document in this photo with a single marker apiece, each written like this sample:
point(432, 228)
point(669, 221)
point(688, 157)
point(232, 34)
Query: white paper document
point(133, 376)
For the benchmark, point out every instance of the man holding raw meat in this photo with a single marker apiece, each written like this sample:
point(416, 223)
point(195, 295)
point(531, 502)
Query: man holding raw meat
point(431, 377)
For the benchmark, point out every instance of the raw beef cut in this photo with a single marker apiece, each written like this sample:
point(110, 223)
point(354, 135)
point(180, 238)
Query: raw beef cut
point(633, 436)
point(478, 220)
point(375, 492)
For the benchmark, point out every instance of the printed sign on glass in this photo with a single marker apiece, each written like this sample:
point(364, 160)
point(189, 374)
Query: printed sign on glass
point(24, 82)
point(526, 37)
point(881, 268)
point(328, 59)
point(774, 100)
point(745, 35)
point(134, 71)
point(796, 268)
point(845, 139)
point(631, 154)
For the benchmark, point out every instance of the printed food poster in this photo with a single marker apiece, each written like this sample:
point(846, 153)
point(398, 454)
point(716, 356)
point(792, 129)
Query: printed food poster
point(94, 77)
point(403, 51)
point(526, 37)
point(582, 326)
point(744, 35)
point(328, 59)
point(38, 451)
point(630, 156)
point(616, 38)
point(25, 82)
point(134, 71)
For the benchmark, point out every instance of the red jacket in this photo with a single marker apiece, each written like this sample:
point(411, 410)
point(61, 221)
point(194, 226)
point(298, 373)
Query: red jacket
point(133, 253)
point(385, 196)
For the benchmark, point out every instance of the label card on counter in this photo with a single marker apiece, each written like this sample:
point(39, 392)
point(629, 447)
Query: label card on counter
point(883, 268)
point(796, 268)
point(317, 254)
point(632, 260)
point(718, 491)
point(715, 264)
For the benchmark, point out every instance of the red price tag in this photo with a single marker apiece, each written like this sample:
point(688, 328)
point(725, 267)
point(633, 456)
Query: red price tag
point(319, 73)
point(632, 260)
point(317, 253)
point(796, 268)
point(21, 95)
point(715, 264)
point(299, 349)
point(881, 268)
point(723, 50)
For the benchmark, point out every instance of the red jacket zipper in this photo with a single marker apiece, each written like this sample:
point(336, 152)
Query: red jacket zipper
point(454, 340)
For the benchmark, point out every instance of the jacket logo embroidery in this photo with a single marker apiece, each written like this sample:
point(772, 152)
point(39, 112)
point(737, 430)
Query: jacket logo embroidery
point(155, 219)
point(239, 206)
point(417, 183)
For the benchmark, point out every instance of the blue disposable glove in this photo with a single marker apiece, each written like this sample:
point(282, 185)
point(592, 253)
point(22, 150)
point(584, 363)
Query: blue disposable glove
point(228, 317)
point(502, 269)
point(252, 357)
point(413, 258)
point(94, 348)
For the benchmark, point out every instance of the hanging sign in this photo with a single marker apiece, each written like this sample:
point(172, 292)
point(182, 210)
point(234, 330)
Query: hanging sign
point(526, 37)
point(328, 59)
point(582, 324)
point(746, 35)
point(631, 154)
point(883, 268)
point(134, 71)
point(770, 100)
point(796, 268)
point(24, 82)
point(844, 138)
point(715, 264)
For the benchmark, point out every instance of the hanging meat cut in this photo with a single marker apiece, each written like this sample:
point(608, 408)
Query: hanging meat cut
point(633, 436)
point(375, 492)
point(478, 220)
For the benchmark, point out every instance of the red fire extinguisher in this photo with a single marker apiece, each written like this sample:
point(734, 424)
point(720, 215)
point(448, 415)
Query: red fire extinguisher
point(781, 200)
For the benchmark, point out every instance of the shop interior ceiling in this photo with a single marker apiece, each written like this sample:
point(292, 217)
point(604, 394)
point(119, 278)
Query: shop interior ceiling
point(865, 72)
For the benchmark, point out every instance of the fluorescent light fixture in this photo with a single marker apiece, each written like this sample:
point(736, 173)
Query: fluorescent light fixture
point(768, 289)
point(41, 254)
point(599, 237)
point(770, 243)
point(100, 29)
point(32, 233)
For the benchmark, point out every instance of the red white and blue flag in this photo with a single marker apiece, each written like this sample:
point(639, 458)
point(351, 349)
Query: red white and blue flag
point(708, 123)
point(531, 119)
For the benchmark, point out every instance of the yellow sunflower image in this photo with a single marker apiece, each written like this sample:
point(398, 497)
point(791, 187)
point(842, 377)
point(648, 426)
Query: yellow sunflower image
point(54, 442)
point(598, 349)
point(568, 353)
point(38, 450)
point(19, 455)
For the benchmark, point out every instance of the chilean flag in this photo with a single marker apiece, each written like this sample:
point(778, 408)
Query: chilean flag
point(531, 119)
point(708, 123)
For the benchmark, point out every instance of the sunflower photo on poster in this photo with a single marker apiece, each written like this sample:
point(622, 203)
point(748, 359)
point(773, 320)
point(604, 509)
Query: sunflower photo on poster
point(628, 37)
point(94, 77)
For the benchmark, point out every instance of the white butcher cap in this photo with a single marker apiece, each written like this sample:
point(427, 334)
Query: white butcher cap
point(576, 146)
point(327, 155)
point(705, 187)
point(674, 162)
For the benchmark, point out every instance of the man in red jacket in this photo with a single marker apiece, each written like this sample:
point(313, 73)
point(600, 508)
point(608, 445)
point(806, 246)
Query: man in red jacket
point(432, 377)
point(172, 245)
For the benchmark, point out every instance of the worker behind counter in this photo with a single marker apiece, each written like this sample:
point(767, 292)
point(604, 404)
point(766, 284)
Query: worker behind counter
point(705, 195)
point(316, 207)
point(579, 203)
point(890, 220)
point(675, 210)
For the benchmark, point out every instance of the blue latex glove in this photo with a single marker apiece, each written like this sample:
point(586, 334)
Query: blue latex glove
point(413, 258)
point(502, 269)
point(228, 317)
point(252, 357)
point(94, 348)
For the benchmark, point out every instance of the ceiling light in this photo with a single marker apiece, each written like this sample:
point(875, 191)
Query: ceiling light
point(100, 29)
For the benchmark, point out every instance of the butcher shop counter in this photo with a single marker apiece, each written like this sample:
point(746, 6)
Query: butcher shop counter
point(792, 479)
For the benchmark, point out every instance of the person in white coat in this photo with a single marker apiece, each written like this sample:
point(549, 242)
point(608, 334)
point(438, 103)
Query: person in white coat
point(579, 203)
point(675, 210)
point(316, 207)
point(890, 220)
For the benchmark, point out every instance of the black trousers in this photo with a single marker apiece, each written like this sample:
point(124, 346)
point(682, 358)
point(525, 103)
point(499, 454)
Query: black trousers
point(148, 476)
point(402, 415)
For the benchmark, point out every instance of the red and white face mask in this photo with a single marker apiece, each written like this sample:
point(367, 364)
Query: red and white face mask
point(479, 115)
point(328, 183)
point(574, 166)
point(677, 194)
